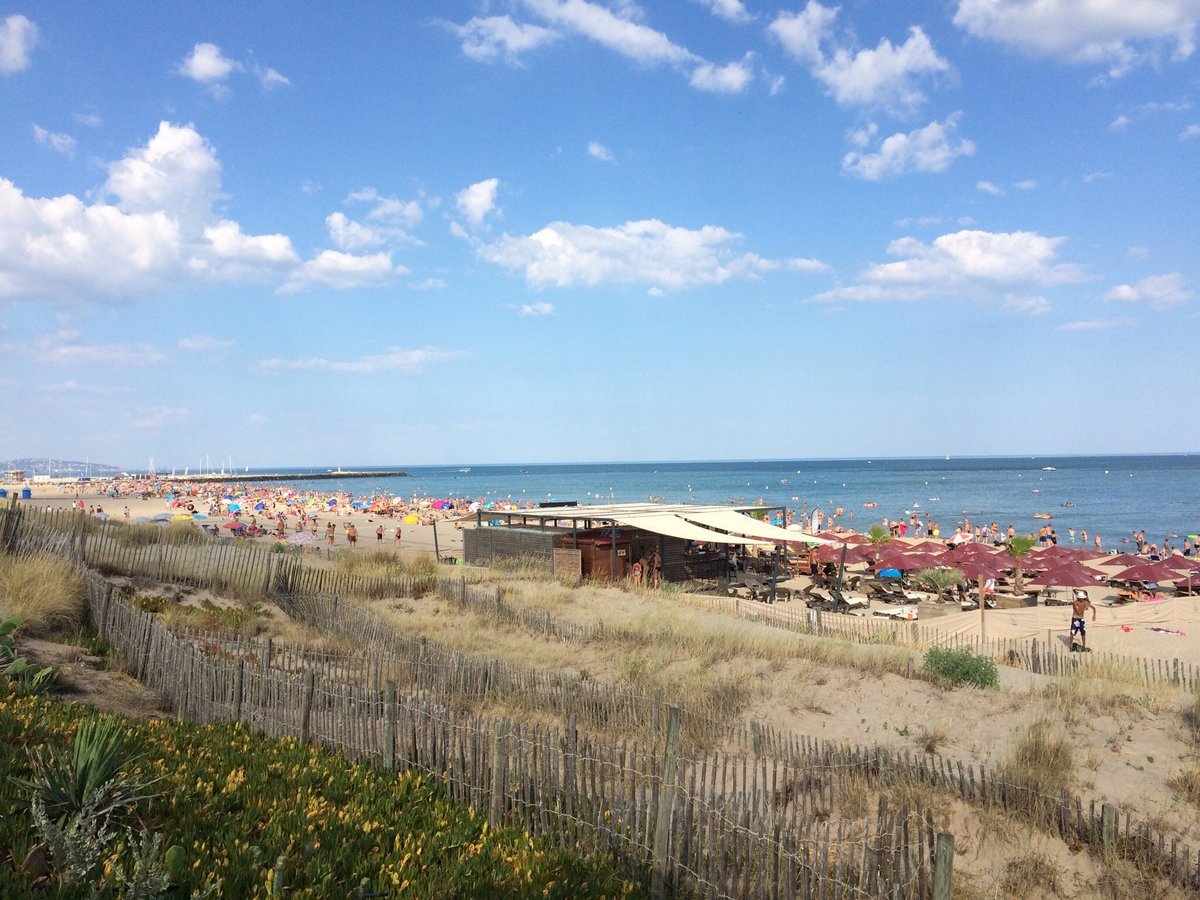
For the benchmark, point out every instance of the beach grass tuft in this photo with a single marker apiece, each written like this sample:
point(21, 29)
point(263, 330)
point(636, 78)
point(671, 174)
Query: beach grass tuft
point(1031, 874)
point(45, 592)
point(1041, 759)
point(1187, 781)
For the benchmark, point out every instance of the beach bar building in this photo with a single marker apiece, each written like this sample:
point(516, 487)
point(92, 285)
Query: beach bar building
point(604, 541)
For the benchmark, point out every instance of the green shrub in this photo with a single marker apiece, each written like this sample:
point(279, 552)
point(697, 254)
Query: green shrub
point(961, 667)
point(15, 671)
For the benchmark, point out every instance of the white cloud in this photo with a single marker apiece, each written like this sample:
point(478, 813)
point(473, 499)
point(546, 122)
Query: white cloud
point(885, 76)
point(730, 10)
point(989, 188)
point(731, 78)
point(615, 26)
point(351, 235)
point(491, 38)
point(65, 349)
point(233, 255)
point(1120, 123)
point(648, 252)
point(1092, 177)
point(203, 343)
point(343, 271)
point(18, 37)
point(802, 33)
point(1095, 324)
point(395, 360)
point(1027, 185)
point(88, 117)
point(430, 284)
point(1157, 291)
point(270, 78)
point(977, 264)
point(1032, 306)
point(614, 29)
point(160, 230)
point(537, 309)
point(207, 66)
point(1137, 251)
point(177, 171)
point(59, 143)
point(929, 149)
point(599, 151)
point(1192, 131)
point(391, 214)
point(478, 201)
point(1117, 33)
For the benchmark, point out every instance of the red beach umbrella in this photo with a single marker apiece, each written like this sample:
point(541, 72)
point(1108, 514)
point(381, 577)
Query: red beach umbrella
point(1072, 574)
point(974, 569)
point(908, 561)
point(1148, 571)
point(1121, 559)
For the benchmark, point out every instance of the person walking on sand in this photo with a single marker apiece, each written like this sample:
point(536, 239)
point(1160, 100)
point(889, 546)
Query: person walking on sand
point(330, 533)
point(379, 536)
point(1078, 608)
point(352, 535)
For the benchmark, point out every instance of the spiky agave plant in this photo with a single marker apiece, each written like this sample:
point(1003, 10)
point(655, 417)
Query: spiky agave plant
point(93, 776)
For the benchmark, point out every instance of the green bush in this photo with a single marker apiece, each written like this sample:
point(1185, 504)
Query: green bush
point(961, 667)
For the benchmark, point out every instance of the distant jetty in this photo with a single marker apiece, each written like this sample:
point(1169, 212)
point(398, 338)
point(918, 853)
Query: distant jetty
point(326, 475)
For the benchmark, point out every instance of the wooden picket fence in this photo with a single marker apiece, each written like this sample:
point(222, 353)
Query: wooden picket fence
point(702, 823)
point(451, 678)
point(229, 567)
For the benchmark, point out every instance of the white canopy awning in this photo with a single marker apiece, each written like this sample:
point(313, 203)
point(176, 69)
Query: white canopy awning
point(736, 522)
point(674, 526)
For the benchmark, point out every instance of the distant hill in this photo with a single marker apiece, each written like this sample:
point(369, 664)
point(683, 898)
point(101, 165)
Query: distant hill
point(60, 468)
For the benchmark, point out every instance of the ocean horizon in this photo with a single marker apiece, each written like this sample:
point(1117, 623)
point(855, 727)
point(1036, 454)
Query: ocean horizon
point(1113, 495)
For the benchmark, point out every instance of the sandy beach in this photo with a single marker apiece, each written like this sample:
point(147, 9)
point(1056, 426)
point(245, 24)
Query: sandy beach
point(414, 537)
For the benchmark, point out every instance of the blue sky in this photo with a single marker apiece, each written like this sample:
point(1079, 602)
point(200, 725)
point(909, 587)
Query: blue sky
point(558, 230)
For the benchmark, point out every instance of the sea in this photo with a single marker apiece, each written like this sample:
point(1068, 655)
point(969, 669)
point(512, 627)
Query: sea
point(1108, 495)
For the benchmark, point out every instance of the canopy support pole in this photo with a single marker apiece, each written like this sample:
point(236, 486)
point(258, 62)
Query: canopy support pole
point(613, 571)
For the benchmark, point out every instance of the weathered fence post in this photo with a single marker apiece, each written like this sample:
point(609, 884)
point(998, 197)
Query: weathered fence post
point(306, 712)
point(661, 874)
point(1108, 826)
point(238, 678)
point(943, 867)
point(389, 714)
point(499, 767)
point(102, 625)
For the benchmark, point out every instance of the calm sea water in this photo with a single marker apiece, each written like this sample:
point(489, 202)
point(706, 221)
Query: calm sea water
point(1112, 495)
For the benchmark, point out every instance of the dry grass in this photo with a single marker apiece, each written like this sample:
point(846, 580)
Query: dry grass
point(386, 564)
point(1191, 717)
point(931, 739)
point(1187, 781)
point(46, 592)
point(1107, 689)
point(1041, 759)
point(1031, 874)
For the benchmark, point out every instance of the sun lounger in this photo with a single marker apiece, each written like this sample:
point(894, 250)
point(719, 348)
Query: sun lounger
point(902, 613)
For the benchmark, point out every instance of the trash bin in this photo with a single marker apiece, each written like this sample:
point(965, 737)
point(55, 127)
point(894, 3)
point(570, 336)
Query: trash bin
point(3, 493)
point(26, 493)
